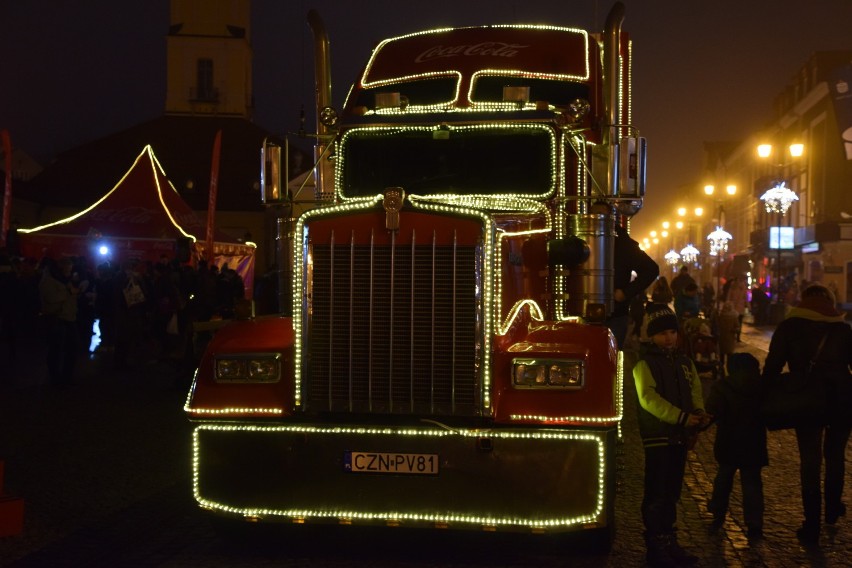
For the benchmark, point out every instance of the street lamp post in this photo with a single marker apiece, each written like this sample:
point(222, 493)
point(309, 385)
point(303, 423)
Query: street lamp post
point(697, 212)
point(730, 190)
point(778, 200)
point(718, 239)
point(718, 246)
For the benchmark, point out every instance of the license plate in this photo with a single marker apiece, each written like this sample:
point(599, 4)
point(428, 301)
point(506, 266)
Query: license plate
point(390, 462)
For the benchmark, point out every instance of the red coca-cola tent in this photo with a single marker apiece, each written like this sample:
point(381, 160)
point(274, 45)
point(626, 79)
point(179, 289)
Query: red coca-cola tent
point(142, 217)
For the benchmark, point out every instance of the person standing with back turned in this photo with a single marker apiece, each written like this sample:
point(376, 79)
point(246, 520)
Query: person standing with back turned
point(740, 442)
point(680, 281)
point(628, 258)
point(816, 331)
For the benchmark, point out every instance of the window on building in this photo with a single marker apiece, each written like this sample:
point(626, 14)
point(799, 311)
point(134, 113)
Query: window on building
point(204, 89)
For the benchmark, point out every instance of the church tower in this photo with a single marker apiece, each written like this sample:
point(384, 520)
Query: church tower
point(209, 59)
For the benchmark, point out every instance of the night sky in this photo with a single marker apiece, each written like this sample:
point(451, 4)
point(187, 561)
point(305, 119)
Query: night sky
point(704, 70)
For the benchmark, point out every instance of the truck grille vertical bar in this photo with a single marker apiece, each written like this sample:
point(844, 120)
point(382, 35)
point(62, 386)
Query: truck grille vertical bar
point(411, 323)
point(390, 320)
point(432, 328)
point(455, 303)
point(351, 312)
point(331, 320)
point(371, 312)
point(393, 324)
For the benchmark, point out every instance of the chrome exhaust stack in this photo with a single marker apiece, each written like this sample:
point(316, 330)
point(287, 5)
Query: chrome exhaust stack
point(323, 172)
point(594, 297)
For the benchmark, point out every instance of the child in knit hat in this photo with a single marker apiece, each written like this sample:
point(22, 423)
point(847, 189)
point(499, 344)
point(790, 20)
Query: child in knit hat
point(740, 441)
point(671, 410)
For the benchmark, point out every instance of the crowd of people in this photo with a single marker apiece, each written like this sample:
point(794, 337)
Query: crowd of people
point(814, 341)
point(688, 300)
point(147, 309)
point(143, 309)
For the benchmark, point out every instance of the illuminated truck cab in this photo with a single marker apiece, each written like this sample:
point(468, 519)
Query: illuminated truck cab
point(446, 363)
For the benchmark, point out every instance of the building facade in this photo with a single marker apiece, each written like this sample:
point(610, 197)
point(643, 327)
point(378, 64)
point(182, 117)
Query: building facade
point(812, 240)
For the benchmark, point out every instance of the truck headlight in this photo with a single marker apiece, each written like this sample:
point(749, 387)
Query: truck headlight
point(547, 373)
point(529, 374)
point(248, 368)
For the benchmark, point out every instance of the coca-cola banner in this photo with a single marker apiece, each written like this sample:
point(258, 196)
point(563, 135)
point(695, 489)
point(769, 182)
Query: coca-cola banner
point(531, 50)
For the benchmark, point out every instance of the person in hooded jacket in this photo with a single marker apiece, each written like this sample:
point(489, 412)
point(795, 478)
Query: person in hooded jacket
point(687, 303)
point(796, 343)
point(740, 442)
point(671, 411)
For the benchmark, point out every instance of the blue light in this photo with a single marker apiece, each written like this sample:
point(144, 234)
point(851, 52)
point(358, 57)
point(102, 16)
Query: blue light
point(103, 250)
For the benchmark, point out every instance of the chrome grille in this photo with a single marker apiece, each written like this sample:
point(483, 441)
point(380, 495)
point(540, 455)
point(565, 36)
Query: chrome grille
point(392, 328)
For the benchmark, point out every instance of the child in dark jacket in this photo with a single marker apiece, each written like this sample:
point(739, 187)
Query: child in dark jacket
point(740, 442)
point(671, 409)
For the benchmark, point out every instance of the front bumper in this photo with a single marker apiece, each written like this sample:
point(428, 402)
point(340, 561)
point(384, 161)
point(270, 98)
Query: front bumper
point(527, 480)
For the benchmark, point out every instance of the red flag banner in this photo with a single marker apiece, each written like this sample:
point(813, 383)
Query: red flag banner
point(7, 194)
point(211, 205)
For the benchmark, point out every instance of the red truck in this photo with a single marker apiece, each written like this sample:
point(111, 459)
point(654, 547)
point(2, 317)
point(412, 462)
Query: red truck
point(444, 361)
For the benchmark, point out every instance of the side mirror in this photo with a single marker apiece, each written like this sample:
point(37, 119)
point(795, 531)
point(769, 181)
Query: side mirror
point(631, 169)
point(273, 173)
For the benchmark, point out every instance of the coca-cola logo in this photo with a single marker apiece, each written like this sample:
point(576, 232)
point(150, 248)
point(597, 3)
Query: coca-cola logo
point(188, 220)
point(131, 215)
point(492, 48)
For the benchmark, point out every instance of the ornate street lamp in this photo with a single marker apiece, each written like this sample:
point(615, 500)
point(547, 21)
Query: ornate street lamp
point(690, 217)
point(778, 200)
point(672, 258)
point(718, 247)
point(689, 254)
point(730, 191)
point(719, 241)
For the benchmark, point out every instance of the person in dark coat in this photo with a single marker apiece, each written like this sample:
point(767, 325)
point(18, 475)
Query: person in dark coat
point(627, 259)
point(680, 281)
point(759, 305)
point(740, 441)
point(671, 410)
point(796, 343)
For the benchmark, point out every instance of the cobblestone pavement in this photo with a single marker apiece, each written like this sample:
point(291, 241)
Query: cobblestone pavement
point(103, 467)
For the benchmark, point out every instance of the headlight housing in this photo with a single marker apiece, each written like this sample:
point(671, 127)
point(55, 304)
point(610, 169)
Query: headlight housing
point(247, 368)
point(548, 373)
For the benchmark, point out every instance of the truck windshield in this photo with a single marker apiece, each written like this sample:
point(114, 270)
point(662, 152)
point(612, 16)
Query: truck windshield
point(468, 160)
